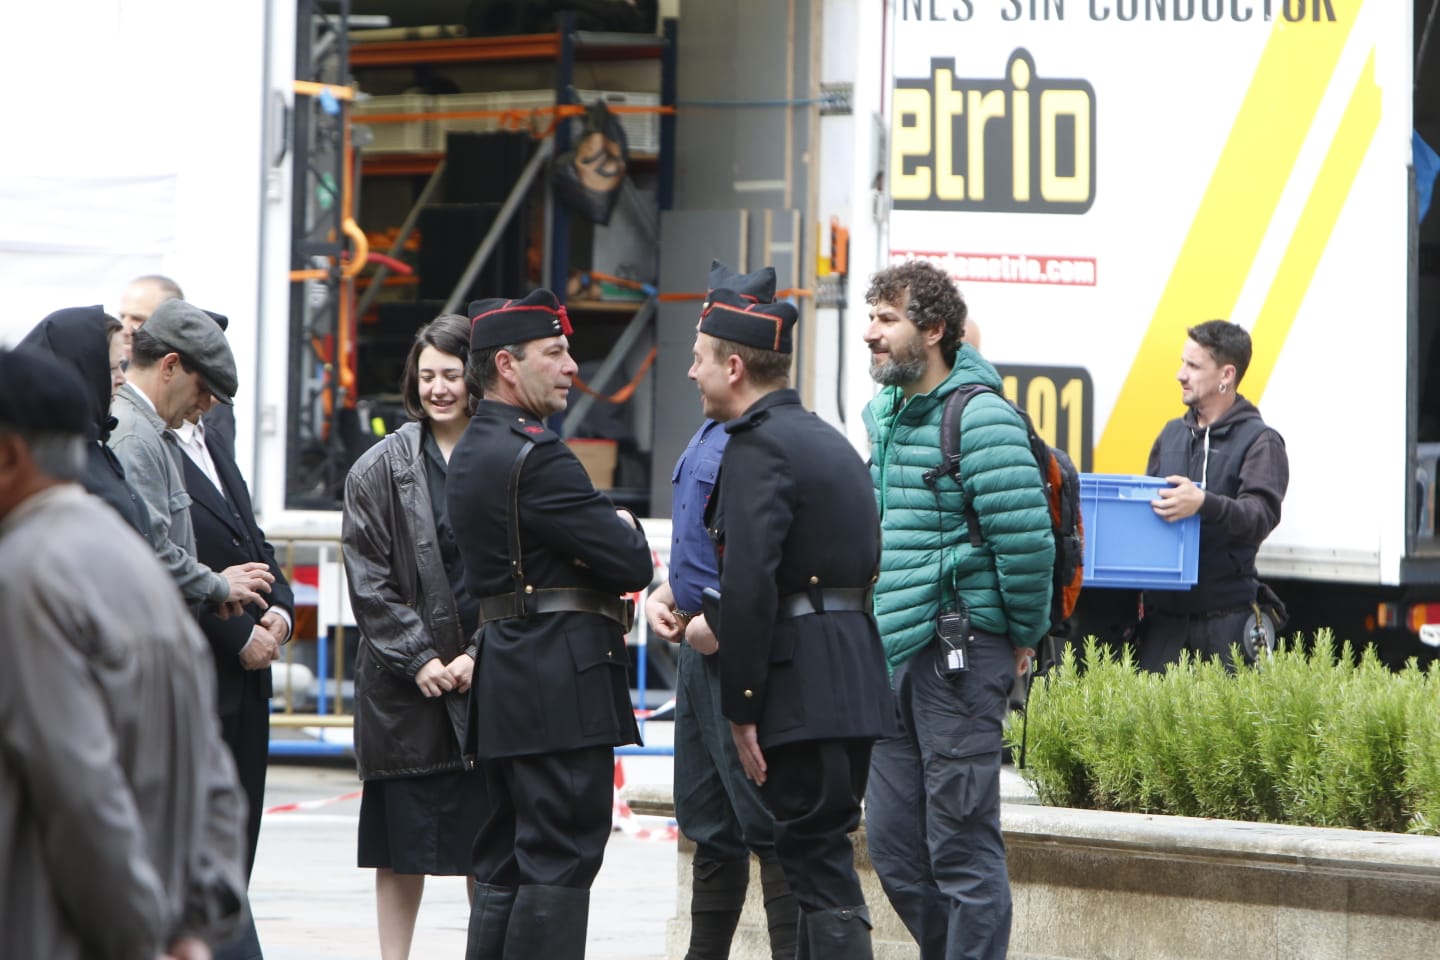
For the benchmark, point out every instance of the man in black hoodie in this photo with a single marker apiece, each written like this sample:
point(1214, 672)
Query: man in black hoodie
point(1225, 464)
point(93, 343)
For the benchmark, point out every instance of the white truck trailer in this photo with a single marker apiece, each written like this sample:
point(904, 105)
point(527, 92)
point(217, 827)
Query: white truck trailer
point(1099, 175)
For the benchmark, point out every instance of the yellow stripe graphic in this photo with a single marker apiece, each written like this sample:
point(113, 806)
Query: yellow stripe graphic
point(1235, 211)
point(1312, 232)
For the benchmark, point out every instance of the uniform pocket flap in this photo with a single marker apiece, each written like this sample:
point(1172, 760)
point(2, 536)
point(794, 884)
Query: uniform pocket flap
point(782, 646)
point(589, 650)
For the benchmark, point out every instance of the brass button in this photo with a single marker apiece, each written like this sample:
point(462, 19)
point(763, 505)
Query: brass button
point(529, 588)
point(749, 694)
point(814, 580)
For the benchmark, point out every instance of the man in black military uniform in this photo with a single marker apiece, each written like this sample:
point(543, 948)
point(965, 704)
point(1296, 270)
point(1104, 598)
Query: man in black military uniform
point(549, 557)
point(802, 672)
point(715, 805)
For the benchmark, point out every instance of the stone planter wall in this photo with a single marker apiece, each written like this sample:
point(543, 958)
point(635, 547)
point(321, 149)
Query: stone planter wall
point(1114, 886)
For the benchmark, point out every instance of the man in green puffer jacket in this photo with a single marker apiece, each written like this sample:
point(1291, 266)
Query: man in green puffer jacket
point(932, 810)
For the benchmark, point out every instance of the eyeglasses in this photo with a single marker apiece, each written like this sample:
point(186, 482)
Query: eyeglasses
point(122, 367)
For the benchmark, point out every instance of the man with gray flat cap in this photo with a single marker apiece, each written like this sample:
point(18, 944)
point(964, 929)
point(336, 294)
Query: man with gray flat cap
point(179, 359)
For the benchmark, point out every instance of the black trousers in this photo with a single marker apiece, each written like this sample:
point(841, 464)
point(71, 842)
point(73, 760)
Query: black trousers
point(1164, 635)
point(814, 789)
point(246, 731)
point(549, 819)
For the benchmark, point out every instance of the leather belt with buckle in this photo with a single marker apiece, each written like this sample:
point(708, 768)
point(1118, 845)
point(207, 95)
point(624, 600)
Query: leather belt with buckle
point(832, 600)
point(559, 600)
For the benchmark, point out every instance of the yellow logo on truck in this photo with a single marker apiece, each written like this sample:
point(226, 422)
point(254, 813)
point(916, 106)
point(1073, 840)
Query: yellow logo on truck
point(1021, 144)
point(1239, 204)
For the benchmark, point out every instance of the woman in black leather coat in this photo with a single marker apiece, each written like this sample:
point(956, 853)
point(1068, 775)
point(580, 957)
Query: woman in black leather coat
point(423, 799)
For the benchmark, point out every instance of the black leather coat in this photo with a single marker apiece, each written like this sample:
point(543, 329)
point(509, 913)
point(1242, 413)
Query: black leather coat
point(406, 613)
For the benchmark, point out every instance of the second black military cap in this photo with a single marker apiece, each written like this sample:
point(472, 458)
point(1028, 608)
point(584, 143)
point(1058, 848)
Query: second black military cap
point(496, 322)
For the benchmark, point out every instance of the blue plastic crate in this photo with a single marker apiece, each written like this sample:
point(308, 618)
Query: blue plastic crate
point(1126, 544)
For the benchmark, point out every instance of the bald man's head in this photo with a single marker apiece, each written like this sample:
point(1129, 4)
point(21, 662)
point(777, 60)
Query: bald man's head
point(142, 297)
point(972, 333)
point(140, 300)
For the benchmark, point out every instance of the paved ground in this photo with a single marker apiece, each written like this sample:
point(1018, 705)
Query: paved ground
point(312, 903)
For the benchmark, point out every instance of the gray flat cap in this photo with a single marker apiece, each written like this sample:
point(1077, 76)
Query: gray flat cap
point(190, 332)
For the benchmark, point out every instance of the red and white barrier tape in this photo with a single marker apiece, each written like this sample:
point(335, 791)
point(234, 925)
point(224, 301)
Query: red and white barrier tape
point(311, 804)
point(625, 820)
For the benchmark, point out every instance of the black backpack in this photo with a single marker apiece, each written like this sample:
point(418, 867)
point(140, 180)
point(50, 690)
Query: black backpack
point(1062, 493)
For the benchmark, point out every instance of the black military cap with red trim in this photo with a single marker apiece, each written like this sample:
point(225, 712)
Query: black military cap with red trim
point(730, 316)
point(757, 287)
point(497, 322)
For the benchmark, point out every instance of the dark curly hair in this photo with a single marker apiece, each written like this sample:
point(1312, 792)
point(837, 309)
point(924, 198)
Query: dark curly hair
point(934, 300)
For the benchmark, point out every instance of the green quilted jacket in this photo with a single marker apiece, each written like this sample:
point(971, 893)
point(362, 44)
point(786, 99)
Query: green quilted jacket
point(927, 555)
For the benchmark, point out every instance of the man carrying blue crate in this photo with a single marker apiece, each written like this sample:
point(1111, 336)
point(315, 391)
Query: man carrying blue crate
point(1224, 463)
point(958, 620)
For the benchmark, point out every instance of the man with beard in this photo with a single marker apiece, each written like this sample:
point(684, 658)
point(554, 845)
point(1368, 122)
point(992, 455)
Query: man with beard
point(801, 666)
point(1225, 464)
point(959, 621)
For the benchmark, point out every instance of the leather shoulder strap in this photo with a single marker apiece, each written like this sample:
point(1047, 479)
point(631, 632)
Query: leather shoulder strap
point(512, 526)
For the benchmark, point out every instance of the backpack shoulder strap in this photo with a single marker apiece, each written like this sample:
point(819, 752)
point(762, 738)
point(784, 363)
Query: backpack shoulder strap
point(949, 464)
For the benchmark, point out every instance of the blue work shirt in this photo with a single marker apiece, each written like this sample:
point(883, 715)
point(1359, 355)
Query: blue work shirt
point(692, 552)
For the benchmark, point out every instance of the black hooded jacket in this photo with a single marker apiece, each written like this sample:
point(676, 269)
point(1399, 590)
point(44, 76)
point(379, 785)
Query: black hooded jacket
point(77, 336)
point(1246, 472)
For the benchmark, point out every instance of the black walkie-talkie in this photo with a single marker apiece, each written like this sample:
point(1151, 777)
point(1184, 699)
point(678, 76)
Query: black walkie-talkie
point(953, 629)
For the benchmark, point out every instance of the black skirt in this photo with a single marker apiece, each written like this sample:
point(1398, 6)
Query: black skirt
point(423, 825)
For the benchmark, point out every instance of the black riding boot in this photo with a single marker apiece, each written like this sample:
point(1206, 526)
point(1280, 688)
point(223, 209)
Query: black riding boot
point(717, 897)
point(548, 923)
point(782, 914)
point(839, 934)
point(489, 916)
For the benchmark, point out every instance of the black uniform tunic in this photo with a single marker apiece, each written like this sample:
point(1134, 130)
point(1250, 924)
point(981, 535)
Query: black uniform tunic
point(550, 696)
point(795, 513)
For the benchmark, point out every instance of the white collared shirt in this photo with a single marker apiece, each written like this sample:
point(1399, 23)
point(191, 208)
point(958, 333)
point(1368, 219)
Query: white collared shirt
point(192, 441)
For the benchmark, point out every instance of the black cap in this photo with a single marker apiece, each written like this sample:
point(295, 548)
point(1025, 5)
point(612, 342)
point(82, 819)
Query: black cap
point(40, 394)
point(730, 316)
point(496, 322)
point(196, 336)
point(757, 287)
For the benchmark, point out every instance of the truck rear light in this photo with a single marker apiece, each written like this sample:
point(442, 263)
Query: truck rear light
point(1424, 615)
